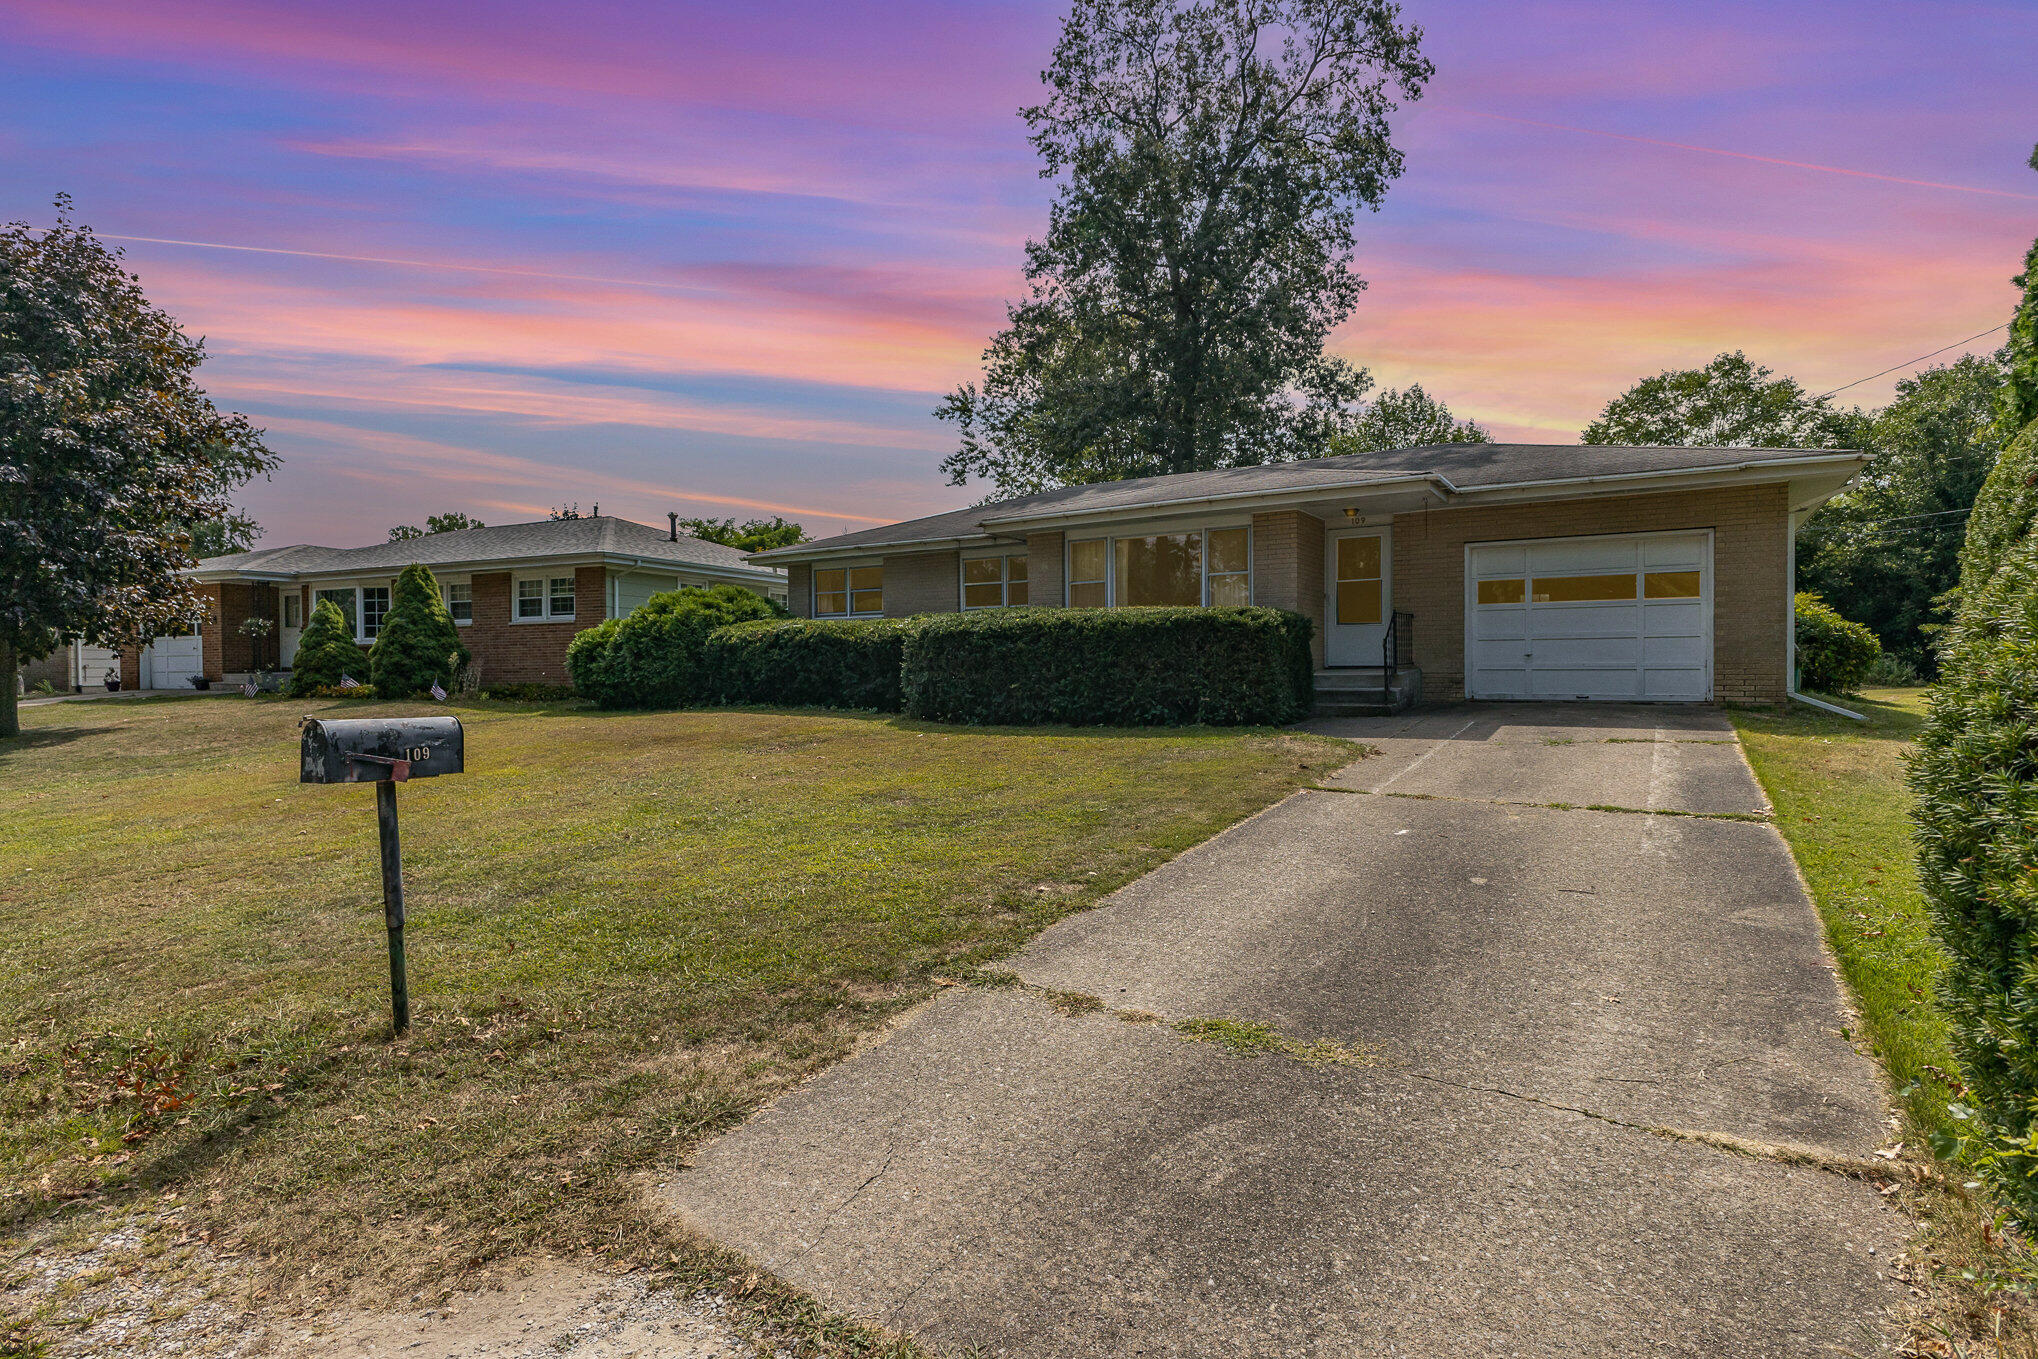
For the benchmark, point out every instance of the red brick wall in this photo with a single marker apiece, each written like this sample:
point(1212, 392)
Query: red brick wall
point(528, 653)
point(1750, 528)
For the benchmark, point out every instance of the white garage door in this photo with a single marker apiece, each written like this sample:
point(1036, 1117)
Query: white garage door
point(170, 662)
point(1623, 617)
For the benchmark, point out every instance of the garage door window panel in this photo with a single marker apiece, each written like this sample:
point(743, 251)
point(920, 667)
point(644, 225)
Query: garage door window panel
point(1671, 585)
point(1582, 589)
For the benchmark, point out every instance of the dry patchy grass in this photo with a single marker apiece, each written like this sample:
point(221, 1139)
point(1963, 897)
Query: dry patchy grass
point(626, 930)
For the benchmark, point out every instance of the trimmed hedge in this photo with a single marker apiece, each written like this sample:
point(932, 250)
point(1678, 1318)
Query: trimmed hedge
point(653, 658)
point(1975, 776)
point(1117, 667)
point(1834, 654)
point(804, 663)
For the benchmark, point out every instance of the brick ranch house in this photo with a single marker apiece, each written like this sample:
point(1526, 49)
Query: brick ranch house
point(1493, 571)
point(518, 592)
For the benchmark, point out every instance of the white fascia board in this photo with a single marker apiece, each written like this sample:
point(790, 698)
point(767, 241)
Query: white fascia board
point(1669, 479)
point(816, 552)
point(1240, 500)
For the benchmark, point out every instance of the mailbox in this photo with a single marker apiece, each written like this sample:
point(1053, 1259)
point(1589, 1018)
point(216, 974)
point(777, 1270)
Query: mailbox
point(385, 751)
point(381, 749)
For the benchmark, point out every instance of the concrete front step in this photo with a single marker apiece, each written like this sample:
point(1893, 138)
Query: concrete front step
point(1365, 691)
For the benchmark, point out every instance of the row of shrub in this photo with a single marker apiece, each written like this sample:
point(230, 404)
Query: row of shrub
point(1019, 667)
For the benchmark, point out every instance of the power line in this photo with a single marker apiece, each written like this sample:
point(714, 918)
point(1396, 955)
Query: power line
point(1910, 363)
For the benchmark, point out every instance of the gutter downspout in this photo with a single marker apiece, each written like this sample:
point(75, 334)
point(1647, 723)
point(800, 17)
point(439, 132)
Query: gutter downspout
point(1790, 628)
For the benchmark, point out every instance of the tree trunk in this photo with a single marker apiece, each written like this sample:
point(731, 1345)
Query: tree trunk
point(10, 674)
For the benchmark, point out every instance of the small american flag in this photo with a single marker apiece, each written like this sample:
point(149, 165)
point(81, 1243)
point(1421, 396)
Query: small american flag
point(249, 688)
point(349, 682)
point(438, 693)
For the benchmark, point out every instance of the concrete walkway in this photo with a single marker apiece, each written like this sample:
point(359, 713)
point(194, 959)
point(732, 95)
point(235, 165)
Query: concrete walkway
point(1488, 1002)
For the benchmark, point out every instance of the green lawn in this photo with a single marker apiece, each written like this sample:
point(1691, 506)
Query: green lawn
point(626, 930)
point(1838, 788)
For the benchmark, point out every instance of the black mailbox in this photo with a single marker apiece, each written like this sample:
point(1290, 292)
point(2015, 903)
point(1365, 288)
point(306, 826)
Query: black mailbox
point(381, 749)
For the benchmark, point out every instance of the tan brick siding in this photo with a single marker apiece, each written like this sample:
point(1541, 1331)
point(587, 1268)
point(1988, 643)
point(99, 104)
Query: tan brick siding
point(1044, 561)
point(1750, 574)
point(1288, 567)
point(922, 582)
point(800, 589)
point(57, 668)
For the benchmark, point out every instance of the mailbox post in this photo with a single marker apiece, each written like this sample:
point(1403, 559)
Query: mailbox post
point(385, 752)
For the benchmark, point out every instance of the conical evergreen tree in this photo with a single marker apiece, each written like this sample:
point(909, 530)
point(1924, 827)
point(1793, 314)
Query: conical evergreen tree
point(325, 652)
point(419, 646)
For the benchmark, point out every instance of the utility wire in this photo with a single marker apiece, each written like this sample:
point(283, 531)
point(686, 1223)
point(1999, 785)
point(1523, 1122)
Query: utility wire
point(1910, 363)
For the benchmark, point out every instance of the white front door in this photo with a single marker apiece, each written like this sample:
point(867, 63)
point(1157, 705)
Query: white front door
point(1625, 616)
point(1358, 571)
point(290, 626)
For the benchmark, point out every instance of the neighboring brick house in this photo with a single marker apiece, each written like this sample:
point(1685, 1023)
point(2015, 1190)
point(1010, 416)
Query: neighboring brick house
point(1460, 570)
point(518, 592)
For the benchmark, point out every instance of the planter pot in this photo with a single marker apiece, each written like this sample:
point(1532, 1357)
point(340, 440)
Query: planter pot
point(113, 686)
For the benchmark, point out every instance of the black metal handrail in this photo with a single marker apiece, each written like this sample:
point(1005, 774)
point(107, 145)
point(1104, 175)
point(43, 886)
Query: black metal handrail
point(1397, 648)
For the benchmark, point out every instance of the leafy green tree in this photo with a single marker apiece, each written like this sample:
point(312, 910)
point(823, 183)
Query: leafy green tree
point(1212, 157)
point(109, 452)
point(419, 644)
point(451, 522)
point(325, 652)
point(754, 535)
point(1888, 550)
point(2008, 502)
point(229, 532)
point(1407, 419)
point(2020, 390)
point(1730, 403)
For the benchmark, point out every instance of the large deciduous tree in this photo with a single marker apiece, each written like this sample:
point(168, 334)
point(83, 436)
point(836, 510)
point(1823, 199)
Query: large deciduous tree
point(753, 535)
point(1407, 419)
point(1211, 156)
point(1732, 402)
point(1887, 550)
point(109, 451)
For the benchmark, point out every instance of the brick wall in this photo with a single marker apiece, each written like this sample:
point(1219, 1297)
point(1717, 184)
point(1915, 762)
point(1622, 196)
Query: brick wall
point(1044, 559)
point(57, 668)
point(1750, 574)
point(528, 653)
point(1288, 567)
point(212, 636)
point(800, 589)
point(922, 582)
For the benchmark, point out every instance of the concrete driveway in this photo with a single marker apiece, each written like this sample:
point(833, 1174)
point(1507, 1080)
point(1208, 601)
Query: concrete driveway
point(1511, 1029)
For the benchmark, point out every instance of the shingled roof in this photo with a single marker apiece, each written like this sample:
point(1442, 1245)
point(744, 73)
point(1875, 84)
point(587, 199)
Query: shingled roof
point(1454, 468)
point(589, 536)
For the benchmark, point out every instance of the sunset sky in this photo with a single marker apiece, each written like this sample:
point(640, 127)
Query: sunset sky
point(725, 258)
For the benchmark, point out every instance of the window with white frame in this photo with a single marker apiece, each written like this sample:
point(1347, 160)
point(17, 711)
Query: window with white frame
point(994, 582)
point(1196, 566)
point(541, 598)
point(845, 591)
point(374, 608)
point(293, 610)
point(460, 602)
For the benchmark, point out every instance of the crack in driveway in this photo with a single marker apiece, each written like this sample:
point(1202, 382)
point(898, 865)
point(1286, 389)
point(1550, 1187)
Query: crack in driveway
point(1251, 1038)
